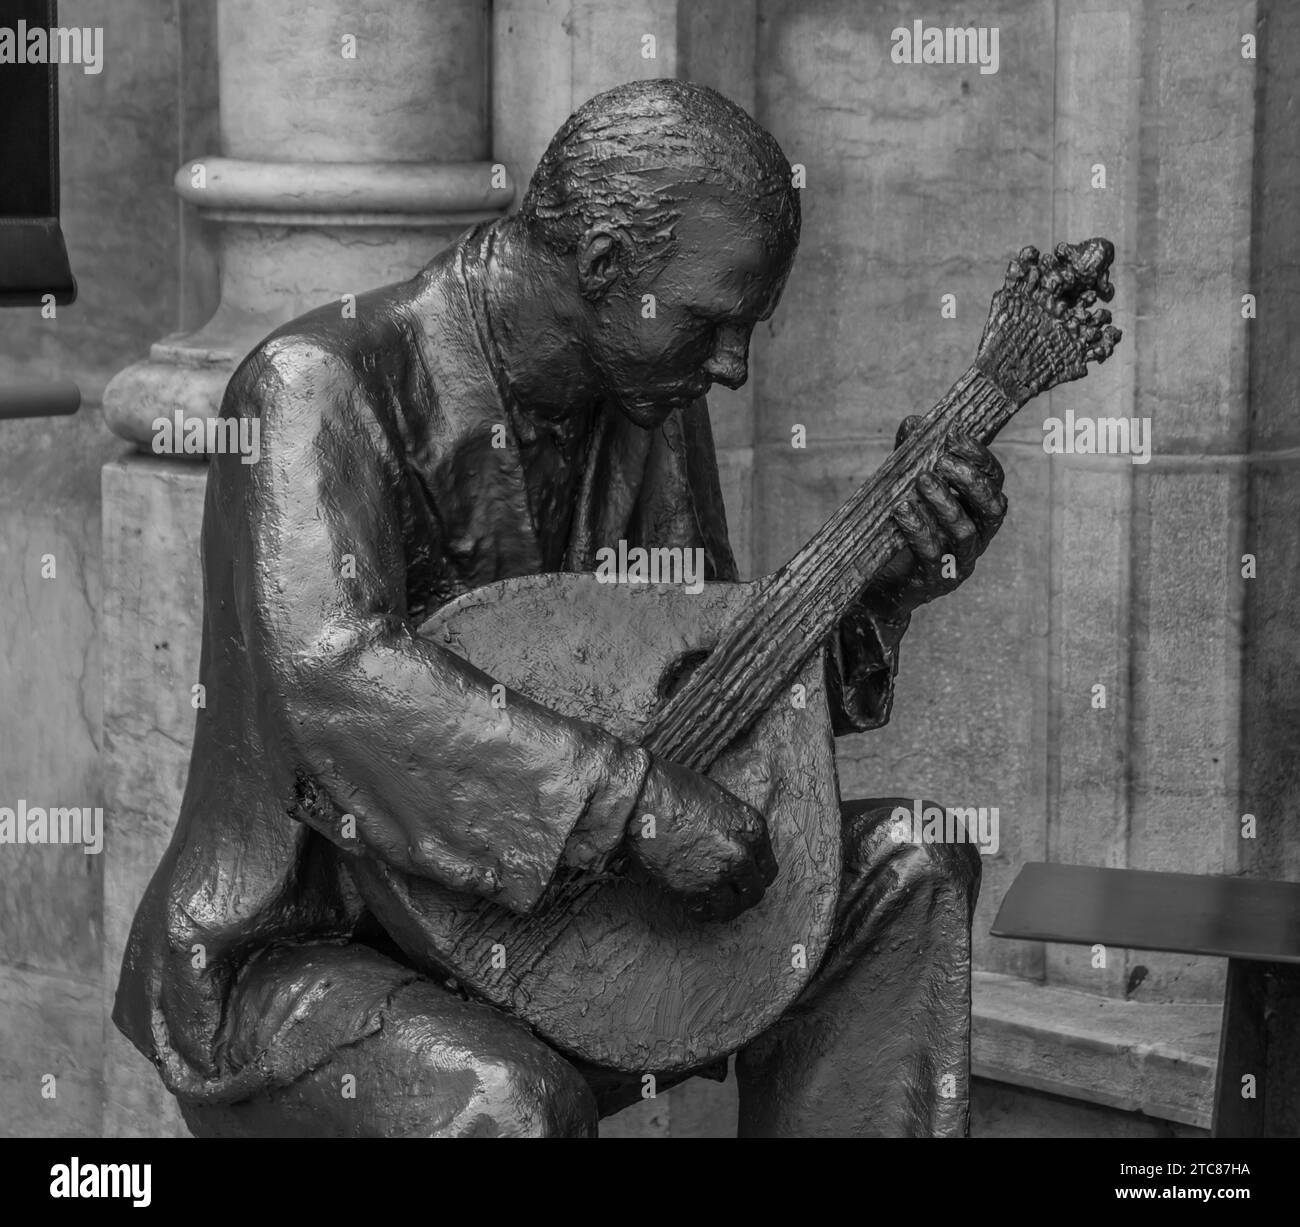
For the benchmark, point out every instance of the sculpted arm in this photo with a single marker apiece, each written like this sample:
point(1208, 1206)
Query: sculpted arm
point(354, 707)
point(365, 717)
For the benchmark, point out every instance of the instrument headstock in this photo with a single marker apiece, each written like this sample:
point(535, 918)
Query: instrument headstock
point(1044, 326)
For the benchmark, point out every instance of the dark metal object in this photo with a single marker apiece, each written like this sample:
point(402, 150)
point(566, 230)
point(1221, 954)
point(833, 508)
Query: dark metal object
point(33, 254)
point(56, 398)
point(1260, 1041)
point(1255, 924)
point(1185, 913)
point(502, 417)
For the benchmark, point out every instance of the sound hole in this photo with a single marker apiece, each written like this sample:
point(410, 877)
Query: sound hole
point(679, 670)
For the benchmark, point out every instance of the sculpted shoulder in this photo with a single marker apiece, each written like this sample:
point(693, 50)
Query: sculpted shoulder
point(323, 355)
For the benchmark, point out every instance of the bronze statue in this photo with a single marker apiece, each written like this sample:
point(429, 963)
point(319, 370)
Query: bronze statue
point(475, 843)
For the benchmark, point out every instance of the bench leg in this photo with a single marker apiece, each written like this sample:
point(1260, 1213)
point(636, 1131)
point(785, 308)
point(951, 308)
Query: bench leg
point(1260, 1040)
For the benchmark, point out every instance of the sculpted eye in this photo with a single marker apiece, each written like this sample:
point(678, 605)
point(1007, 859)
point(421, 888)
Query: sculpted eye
point(706, 328)
point(710, 325)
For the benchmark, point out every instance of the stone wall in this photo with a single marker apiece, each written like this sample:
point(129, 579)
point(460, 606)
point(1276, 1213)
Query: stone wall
point(121, 132)
point(921, 180)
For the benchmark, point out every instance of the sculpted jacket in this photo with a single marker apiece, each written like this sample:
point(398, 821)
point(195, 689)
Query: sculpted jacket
point(378, 497)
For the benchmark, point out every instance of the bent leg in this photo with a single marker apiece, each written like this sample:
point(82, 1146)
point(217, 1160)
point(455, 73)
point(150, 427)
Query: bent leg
point(431, 1065)
point(878, 1044)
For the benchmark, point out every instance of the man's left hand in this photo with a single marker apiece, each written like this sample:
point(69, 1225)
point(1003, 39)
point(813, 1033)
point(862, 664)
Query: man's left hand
point(947, 521)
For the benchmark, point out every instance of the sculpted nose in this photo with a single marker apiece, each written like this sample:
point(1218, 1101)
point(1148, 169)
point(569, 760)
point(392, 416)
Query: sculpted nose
point(729, 362)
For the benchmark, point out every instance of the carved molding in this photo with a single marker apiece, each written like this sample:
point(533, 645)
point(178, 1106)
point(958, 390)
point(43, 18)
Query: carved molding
point(287, 225)
point(341, 193)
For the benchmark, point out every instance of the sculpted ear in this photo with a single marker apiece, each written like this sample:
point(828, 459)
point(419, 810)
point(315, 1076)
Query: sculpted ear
point(603, 255)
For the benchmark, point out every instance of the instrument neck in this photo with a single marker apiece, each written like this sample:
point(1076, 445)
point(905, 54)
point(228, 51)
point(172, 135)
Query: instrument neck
point(793, 613)
point(820, 583)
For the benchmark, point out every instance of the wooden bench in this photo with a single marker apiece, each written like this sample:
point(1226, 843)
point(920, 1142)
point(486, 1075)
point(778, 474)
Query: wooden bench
point(1254, 924)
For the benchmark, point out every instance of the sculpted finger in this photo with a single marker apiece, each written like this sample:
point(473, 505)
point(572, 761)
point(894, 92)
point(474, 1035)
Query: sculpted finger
point(706, 908)
point(961, 444)
point(920, 530)
point(967, 480)
point(748, 887)
point(721, 904)
point(959, 529)
point(899, 567)
point(907, 427)
point(976, 490)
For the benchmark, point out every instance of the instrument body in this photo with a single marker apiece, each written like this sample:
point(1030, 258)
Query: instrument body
point(620, 974)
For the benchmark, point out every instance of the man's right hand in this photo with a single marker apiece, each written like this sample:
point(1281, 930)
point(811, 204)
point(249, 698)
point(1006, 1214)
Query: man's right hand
point(705, 844)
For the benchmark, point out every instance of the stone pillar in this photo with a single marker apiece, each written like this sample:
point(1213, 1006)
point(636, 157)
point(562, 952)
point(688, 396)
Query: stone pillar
point(1268, 771)
point(354, 143)
point(1146, 583)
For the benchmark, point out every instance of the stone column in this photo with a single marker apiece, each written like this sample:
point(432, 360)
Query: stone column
point(1267, 776)
point(354, 144)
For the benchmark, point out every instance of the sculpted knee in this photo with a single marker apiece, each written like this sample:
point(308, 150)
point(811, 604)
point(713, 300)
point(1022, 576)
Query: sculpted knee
point(481, 1073)
point(542, 1096)
point(922, 840)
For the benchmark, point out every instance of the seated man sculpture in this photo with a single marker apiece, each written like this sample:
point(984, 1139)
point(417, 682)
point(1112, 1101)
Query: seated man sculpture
point(532, 397)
